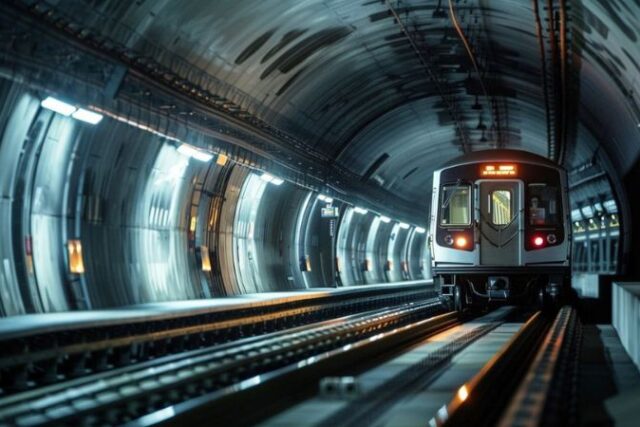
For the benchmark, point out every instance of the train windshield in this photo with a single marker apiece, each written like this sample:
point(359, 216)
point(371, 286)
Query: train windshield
point(455, 205)
point(501, 207)
point(544, 205)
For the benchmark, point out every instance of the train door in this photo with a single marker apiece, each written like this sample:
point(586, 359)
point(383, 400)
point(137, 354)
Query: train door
point(500, 217)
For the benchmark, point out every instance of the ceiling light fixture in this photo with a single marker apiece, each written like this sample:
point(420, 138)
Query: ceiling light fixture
point(193, 152)
point(87, 116)
point(267, 177)
point(58, 106)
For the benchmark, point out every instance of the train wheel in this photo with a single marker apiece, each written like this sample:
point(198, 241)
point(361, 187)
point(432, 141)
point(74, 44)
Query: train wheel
point(459, 299)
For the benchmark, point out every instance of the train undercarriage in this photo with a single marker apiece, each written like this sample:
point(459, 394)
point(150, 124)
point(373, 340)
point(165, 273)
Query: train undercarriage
point(470, 290)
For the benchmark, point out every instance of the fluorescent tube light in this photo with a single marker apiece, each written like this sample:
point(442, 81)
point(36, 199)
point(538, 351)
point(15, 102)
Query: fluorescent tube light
point(58, 106)
point(191, 151)
point(87, 116)
point(266, 177)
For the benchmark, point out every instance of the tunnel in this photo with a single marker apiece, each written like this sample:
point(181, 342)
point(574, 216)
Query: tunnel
point(161, 158)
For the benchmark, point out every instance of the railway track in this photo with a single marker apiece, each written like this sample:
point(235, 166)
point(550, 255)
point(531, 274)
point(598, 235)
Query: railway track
point(265, 372)
point(531, 381)
point(524, 376)
point(41, 357)
point(128, 393)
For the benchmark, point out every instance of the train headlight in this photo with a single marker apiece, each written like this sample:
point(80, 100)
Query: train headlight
point(448, 239)
point(538, 241)
point(461, 242)
point(551, 239)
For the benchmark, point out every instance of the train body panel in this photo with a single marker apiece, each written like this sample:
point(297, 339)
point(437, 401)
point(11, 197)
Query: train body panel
point(500, 228)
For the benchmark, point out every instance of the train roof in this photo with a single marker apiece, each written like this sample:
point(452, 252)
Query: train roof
point(498, 155)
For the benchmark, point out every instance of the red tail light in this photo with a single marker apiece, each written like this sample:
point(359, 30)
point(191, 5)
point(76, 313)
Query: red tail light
point(538, 241)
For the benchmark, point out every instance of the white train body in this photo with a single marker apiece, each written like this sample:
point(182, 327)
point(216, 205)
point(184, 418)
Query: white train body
point(500, 228)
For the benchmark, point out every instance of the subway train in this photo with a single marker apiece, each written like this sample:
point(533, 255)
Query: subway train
point(500, 230)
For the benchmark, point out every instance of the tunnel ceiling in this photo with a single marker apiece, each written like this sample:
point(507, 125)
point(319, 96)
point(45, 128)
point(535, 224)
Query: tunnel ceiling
point(388, 88)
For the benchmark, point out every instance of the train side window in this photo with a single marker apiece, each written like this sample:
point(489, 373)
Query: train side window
point(501, 212)
point(544, 204)
point(455, 205)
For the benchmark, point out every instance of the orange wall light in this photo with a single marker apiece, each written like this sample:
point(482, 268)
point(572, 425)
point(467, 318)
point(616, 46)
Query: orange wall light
point(76, 263)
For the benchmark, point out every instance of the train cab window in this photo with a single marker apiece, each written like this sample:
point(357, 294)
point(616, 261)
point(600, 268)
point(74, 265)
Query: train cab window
point(543, 205)
point(501, 207)
point(455, 205)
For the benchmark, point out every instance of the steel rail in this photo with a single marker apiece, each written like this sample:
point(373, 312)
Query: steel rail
point(292, 379)
point(90, 379)
point(117, 398)
point(532, 404)
point(478, 402)
point(368, 406)
point(85, 349)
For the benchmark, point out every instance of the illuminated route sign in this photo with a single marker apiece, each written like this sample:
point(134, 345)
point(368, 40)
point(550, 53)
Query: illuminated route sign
point(499, 170)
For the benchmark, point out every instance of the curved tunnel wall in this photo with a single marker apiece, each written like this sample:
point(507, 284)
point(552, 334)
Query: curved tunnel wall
point(259, 69)
point(375, 252)
point(118, 192)
point(146, 217)
point(315, 255)
point(351, 242)
point(264, 232)
point(226, 231)
point(149, 224)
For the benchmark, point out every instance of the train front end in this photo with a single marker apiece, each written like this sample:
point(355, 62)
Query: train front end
point(500, 230)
